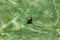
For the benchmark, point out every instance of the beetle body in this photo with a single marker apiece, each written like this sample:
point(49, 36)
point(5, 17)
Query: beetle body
point(29, 21)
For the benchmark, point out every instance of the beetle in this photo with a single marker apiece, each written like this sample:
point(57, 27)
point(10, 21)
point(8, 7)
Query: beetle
point(29, 21)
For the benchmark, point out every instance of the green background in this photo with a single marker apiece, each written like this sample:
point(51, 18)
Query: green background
point(45, 15)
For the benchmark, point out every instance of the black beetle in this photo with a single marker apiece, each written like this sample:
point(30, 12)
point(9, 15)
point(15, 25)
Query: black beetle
point(29, 21)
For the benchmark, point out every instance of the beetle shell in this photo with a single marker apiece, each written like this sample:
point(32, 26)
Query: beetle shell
point(29, 21)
